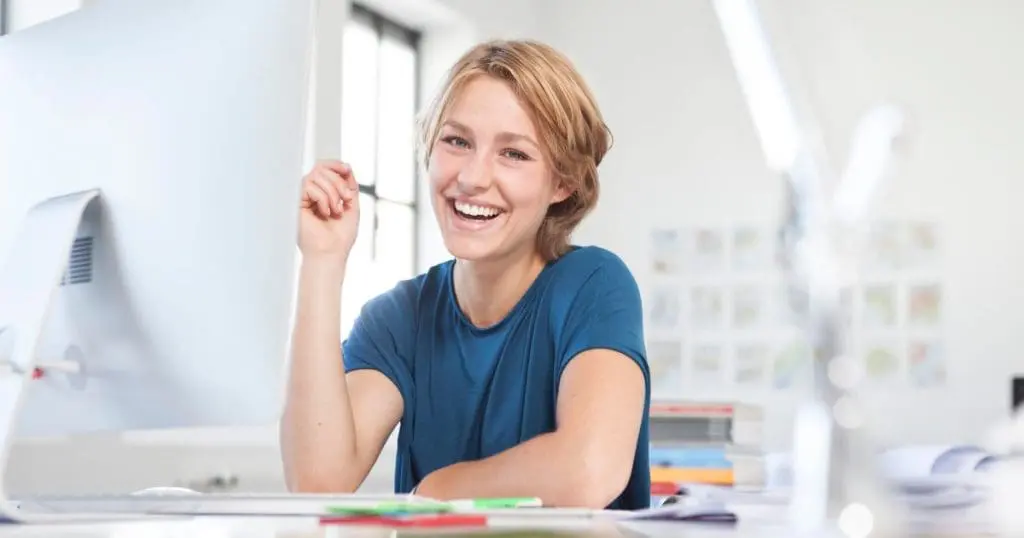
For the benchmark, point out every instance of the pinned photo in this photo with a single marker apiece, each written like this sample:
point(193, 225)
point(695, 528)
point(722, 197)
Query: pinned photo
point(791, 364)
point(750, 307)
point(752, 250)
point(882, 361)
point(884, 252)
point(667, 252)
point(665, 358)
point(707, 307)
point(707, 251)
point(707, 364)
point(751, 364)
point(665, 307)
point(924, 305)
point(921, 245)
point(926, 364)
point(880, 306)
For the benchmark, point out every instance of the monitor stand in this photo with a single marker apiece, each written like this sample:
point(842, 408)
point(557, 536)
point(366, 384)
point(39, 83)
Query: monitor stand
point(29, 280)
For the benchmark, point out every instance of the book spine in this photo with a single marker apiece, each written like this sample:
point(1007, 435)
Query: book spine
point(702, 458)
point(719, 477)
point(692, 430)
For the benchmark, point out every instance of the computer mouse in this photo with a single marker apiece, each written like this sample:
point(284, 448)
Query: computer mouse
point(167, 490)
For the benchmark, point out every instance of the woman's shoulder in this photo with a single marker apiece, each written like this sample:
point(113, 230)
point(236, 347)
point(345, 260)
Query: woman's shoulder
point(583, 263)
point(586, 274)
point(405, 294)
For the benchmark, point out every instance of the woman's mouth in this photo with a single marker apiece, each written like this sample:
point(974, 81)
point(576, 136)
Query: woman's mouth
point(474, 212)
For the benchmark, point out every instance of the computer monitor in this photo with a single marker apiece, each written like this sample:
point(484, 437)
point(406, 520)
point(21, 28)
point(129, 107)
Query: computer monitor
point(158, 146)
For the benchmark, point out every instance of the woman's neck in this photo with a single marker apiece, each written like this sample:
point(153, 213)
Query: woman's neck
point(488, 291)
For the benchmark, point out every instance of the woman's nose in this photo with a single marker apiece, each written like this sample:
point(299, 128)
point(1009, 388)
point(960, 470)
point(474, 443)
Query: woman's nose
point(476, 176)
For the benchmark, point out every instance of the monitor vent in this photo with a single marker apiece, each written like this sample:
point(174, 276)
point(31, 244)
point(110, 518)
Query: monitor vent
point(80, 265)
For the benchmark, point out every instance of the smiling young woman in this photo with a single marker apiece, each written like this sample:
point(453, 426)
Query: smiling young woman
point(517, 368)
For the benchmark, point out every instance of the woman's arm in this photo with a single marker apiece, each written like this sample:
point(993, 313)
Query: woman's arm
point(334, 426)
point(586, 462)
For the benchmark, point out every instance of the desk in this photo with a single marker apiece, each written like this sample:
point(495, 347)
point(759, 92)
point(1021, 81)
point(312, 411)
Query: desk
point(305, 527)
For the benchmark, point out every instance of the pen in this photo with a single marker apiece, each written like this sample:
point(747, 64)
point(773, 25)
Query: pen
point(437, 507)
point(386, 508)
point(496, 503)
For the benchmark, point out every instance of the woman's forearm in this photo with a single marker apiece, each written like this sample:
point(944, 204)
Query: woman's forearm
point(550, 466)
point(318, 438)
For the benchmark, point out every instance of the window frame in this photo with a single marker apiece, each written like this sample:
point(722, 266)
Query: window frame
point(4, 11)
point(382, 25)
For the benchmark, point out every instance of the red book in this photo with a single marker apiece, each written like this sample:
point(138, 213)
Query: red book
point(664, 488)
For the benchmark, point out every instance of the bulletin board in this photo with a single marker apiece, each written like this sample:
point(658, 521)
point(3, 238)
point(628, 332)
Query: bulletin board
point(718, 315)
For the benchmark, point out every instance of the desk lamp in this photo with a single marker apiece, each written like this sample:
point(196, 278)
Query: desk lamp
point(836, 484)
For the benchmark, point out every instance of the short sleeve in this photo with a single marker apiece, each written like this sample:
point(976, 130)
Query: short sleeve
point(383, 338)
point(606, 313)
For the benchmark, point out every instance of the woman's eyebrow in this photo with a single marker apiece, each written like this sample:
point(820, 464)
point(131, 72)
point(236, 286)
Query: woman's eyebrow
point(504, 136)
point(512, 137)
point(457, 126)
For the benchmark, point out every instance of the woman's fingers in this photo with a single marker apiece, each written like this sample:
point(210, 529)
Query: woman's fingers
point(345, 174)
point(342, 169)
point(318, 197)
point(347, 193)
point(344, 193)
point(331, 187)
point(322, 179)
point(350, 182)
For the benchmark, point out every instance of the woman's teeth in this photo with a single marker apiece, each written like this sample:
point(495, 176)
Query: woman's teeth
point(477, 212)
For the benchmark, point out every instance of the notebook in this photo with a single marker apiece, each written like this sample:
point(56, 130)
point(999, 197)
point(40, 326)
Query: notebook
point(685, 508)
point(911, 467)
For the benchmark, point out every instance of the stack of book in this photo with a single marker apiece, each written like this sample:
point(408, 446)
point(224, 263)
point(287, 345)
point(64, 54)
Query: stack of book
point(705, 443)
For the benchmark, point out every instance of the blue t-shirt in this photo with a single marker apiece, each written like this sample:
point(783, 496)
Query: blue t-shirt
point(473, 392)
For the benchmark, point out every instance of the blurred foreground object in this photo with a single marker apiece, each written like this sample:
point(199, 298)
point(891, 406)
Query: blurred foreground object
point(837, 484)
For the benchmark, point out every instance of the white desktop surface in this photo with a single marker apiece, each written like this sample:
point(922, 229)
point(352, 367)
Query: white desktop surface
point(308, 527)
point(302, 527)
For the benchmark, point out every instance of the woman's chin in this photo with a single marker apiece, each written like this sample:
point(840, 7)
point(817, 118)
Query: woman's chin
point(463, 248)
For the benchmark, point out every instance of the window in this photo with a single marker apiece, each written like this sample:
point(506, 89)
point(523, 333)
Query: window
point(378, 108)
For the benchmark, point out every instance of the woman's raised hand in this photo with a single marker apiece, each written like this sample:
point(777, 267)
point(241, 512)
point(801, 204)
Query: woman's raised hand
point(329, 219)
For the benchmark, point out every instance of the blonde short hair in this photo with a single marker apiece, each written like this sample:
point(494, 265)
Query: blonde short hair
point(573, 134)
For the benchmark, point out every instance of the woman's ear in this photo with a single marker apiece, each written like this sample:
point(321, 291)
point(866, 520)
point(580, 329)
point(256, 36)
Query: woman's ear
point(562, 192)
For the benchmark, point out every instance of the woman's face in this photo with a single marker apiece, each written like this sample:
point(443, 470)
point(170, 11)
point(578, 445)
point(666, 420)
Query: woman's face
point(491, 182)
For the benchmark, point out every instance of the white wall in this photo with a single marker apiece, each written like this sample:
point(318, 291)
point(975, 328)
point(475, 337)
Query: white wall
point(685, 154)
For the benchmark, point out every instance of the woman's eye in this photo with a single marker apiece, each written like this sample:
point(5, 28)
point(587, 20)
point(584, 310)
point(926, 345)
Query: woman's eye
point(516, 154)
point(456, 141)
